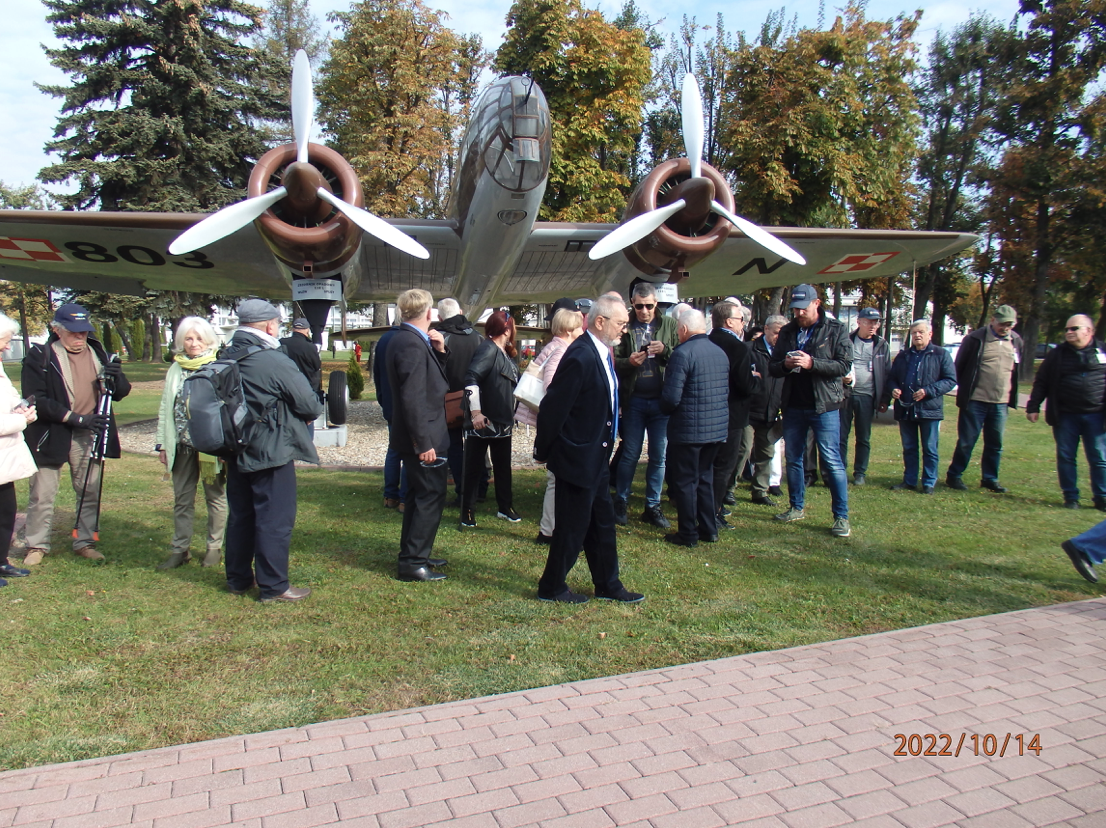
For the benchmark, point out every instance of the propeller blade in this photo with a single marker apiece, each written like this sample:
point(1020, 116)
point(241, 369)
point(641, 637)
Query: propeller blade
point(377, 227)
point(636, 228)
point(225, 222)
point(691, 120)
point(761, 237)
point(303, 103)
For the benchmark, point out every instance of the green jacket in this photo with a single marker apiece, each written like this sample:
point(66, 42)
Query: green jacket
point(627, 373)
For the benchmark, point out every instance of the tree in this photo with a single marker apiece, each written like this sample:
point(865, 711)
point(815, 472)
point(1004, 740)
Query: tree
point(1047, 123)
point(594, 76)
point(161, 110)
point(25, 197)
point(394, 92)
point(288, 26)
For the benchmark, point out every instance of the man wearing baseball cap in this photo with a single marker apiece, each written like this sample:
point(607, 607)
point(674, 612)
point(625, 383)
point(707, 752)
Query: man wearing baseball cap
point(987, 387)
point(866, 390)
point(812, 354)
point(67, 376)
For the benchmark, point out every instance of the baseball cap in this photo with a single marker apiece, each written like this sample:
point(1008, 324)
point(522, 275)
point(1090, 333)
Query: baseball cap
point(73, 317)
point(563, 304)
point(301, 324)
point(802, 296)
point(1005, 313)
point(868, 313)
point(256, 310)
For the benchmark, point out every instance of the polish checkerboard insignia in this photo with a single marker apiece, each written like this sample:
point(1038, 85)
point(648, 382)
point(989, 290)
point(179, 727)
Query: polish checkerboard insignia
point(858, 262)
point(30, 250)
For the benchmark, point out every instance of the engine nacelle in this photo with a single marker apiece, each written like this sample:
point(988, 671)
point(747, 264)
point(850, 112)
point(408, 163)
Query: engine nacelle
point(677, 245)
point(322, 241)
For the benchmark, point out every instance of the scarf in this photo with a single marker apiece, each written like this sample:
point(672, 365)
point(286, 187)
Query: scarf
point(210, 466)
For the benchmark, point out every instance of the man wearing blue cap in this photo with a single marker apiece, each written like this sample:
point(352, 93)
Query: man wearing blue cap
point(812, 354)
point(67, 376)
point(866, 390)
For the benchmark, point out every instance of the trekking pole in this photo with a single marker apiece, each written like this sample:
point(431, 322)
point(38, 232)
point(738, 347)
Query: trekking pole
point(96, 455)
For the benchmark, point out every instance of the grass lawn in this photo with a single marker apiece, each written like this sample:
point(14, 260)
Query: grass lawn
point(116, 657)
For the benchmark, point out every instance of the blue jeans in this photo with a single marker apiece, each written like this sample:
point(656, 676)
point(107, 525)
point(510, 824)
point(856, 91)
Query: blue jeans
point(1067, 432)
point(923, 435)
point(827, 434)
point(976, 417)
point(639, 417)
point(1092, 543)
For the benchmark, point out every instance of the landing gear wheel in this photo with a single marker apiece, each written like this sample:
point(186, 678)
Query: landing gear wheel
point(337, 398)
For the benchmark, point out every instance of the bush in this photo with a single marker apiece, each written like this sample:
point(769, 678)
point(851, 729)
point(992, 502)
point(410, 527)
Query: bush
point(354, 378)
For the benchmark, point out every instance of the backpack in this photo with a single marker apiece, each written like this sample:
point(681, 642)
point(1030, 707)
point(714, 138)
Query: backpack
point(215, 406)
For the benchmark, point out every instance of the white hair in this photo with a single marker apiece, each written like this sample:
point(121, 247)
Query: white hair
point(8, 325)
point(775, 319)
point(605, 306)
point(448, 307)
point(199, 325)
point(693, 320)
point(921, 323)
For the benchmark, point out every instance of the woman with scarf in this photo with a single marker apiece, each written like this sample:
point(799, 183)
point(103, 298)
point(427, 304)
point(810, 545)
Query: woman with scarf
point(195, 344)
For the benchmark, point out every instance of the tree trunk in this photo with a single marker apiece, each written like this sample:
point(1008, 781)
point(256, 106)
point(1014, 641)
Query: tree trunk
point(380, 320)
point(837, 300)
point(153, 327)
point(23, 322)
point(775, 304)
point(938, 323)
point(923, 291)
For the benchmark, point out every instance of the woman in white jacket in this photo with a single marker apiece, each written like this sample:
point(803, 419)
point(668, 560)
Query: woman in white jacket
point(16, 461)
point(195, 344)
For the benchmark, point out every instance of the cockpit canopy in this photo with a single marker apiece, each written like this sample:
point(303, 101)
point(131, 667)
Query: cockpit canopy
point(509, 132)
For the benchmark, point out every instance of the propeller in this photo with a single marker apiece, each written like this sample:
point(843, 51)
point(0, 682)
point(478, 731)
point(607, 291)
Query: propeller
point(298, 189)
point(691, 120)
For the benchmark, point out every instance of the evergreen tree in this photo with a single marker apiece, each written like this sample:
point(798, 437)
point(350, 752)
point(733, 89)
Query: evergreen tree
point(287, 27)
point(161, 111)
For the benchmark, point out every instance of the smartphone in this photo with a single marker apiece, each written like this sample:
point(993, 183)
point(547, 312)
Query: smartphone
point(26, 402)
point(645, 348)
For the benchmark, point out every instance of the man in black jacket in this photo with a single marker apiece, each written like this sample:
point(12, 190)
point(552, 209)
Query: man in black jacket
point(1073, 381)
point(415, 365)
point(987, 387)
point(728, 323)
point(302, 351)
point(67, 376)
point(764, 413)
point(461, 341)
point(866, 390)
point(812, 354)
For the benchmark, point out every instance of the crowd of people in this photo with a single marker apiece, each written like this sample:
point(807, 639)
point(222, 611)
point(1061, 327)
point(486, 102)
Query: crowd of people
point(716, 405)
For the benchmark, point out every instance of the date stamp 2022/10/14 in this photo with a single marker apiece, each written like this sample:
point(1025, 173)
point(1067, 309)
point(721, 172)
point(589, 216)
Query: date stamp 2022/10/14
point(988, 744)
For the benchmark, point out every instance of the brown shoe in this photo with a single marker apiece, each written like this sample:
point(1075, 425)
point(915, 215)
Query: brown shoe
point(293, 594)
point(391, 503)
point(89, 553)
point(34, 556)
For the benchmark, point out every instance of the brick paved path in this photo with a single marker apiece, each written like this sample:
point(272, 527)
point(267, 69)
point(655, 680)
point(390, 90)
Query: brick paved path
point(793, 738)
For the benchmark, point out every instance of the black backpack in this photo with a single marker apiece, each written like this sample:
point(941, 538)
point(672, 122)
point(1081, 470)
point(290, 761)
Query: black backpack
point(215, 407)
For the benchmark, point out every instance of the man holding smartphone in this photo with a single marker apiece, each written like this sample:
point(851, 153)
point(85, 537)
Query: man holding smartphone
point(812, 354)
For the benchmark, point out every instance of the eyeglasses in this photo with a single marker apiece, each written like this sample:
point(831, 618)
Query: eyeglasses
point(644, 307)
point(615, 325)
point(1073, 328)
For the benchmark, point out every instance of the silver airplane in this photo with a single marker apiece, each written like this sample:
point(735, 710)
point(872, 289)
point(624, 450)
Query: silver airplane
point(302, 233)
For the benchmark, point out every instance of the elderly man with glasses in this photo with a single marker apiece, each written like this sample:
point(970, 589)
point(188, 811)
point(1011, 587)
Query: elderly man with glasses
point(1072, 379)
point(640, 358)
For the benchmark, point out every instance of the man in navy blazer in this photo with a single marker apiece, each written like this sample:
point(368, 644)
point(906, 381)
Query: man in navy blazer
point(577, 422)
point(415, 364)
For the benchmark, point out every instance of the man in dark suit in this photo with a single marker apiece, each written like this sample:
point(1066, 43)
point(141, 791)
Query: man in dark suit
point(576, 426)
point(415, 364)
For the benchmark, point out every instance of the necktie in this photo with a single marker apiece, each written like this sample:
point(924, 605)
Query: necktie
point(614, 398)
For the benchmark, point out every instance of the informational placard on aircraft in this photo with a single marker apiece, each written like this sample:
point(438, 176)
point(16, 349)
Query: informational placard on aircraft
point(316, 289)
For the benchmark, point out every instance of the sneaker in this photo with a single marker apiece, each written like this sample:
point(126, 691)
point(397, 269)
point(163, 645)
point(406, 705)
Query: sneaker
point(566, 597)
point(468, 520)
point(840, 528)
point(859, 479)
point(543, 539)
point(927, 490)
point(292, 594)
point(34, 556)
point(1071, 504)
point(510, 515)
point(620, 517)
point(654, 516)
point(623, 595)
point(88, 553)
point(9, 571)
point(1080, 561)
point(791, 515)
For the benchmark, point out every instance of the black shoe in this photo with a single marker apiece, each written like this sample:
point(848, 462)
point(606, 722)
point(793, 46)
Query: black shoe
point(904, 487)
point(437, 562)
point(761, 500)
point(655, 517)
point(729, 499)
point(993, 486)
point(955, 483)
point(468, 520)
point(927, 490)
point(1080, 561)
point(620, 516)
point(510, 515)
point(859, 479)
point(623, 595)
point(543, 539)
point(676, 540)
point(775, 491)
point(712, 538)
point(721, 523)
point(419, 573)
point(9, 571)
point(1068, 504)
point(725, 511)
point(566, 597)
point(1100, 504)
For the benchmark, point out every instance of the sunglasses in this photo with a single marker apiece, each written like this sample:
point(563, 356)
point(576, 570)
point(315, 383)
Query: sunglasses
point(644, 307)
point(1074, 328)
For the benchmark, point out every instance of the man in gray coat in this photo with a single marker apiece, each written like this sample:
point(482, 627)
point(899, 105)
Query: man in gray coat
point(696, 401)
point(261, 482)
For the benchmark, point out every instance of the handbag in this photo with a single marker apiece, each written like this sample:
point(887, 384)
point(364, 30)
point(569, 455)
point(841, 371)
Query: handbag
point(530, 390)
point(454, 410)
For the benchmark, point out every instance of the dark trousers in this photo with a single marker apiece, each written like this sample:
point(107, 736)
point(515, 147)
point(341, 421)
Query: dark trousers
point(860, 408)
point(976, 417)
point(7, 519)
point(259, 531)
point(691, 473)
point(476, 449)
point(730, 460)
point(457, 457)
point(422, 512)
point(584, 520)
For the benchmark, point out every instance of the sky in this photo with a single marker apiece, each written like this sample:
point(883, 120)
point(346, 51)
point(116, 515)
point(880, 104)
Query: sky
point(28, 116)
